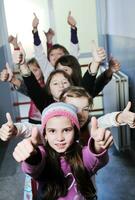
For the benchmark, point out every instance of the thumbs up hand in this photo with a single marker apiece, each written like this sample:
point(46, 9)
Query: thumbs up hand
point(4, 75)
point(8, 130)
point(27, 147)
point(71, 21)
point(49, 35)
point(102, 137)
point(10, 73)
point(35, 21)
point(98, 53)
point(126, 116)
point(14, 41)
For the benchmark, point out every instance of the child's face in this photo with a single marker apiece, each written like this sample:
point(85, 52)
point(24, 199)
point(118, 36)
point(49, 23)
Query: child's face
point(67, 69)
point(36, 71)
point(59, 133)
point(55, 54)
point(82, 105)
point(57, 84)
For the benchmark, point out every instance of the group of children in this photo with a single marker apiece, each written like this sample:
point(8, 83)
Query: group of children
point(69, 146)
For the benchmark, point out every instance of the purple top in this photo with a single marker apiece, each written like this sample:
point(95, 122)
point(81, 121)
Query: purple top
point(91, 161)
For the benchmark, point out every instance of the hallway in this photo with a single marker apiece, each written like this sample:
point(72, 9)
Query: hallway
point(114, 182)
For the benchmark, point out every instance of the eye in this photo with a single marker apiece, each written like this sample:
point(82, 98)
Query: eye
point(55, 83)
point(67, 130)
point(65, 82)
point(51, 131)
point(86, 109)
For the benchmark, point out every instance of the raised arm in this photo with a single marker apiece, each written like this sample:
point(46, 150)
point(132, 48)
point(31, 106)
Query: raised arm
point(49, 38)
point(105, 77)
point(31, 154)
point(125, 117)
point(40, 55)
point(7, 75)
point(8, 130)
point(95, 155)
point(89, 78)
point(38, 95)
point(74, 44)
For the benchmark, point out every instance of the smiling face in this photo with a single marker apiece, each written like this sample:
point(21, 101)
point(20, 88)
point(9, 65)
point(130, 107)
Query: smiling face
point(57, 84)
point(83, 108)
point(55, 54)
point(59, 132)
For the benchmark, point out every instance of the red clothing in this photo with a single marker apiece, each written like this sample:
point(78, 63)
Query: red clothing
point(34, 113)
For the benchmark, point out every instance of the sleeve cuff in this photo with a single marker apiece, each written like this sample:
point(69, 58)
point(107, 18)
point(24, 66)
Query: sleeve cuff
point(91, 148)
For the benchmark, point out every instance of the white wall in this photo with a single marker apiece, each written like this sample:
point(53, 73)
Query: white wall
point(19, 15)
point(85, 14)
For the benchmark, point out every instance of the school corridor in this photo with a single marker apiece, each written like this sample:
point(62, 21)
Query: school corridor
point(110, 23)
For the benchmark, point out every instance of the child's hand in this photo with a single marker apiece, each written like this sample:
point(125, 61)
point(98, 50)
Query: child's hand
point(126, 116)
point(10, 73)
point(49, 35)
point(14, 41)
point(35, 22)
point(19, 55)
point(6, 74)
point(102, 137)
point(98, 53)
point(8, 130)
point(70, 20)
point(27, 147)
point(114, 65)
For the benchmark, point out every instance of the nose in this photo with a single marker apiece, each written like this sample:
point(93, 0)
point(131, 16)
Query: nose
point(60, 136)
point(61, 85)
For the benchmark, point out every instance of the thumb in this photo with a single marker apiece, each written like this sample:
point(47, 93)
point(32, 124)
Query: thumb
point(128, 106)
point(93, 45)
point(9, 120)
point(35, 15)
point(9, 72)
point(94, 124)
point(69, 13)
point(35, 136)
point(16, 37)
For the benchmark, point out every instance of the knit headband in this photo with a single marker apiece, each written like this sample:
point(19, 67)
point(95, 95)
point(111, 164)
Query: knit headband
point(60, 109)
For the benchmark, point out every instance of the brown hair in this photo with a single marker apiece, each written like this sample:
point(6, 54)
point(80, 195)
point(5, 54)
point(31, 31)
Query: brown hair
point(33, 61)
point(58, 46)
point(74, 91)
point(53, 74)
point(72, 62)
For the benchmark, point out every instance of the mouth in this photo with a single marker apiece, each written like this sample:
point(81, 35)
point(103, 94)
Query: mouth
point(60, 145)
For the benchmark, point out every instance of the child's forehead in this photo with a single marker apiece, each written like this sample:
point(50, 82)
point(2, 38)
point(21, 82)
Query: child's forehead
point(58, 76)
point(57, 50)
point(80, 99)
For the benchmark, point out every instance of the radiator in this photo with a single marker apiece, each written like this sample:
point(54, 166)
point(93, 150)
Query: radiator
point(115, 98)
